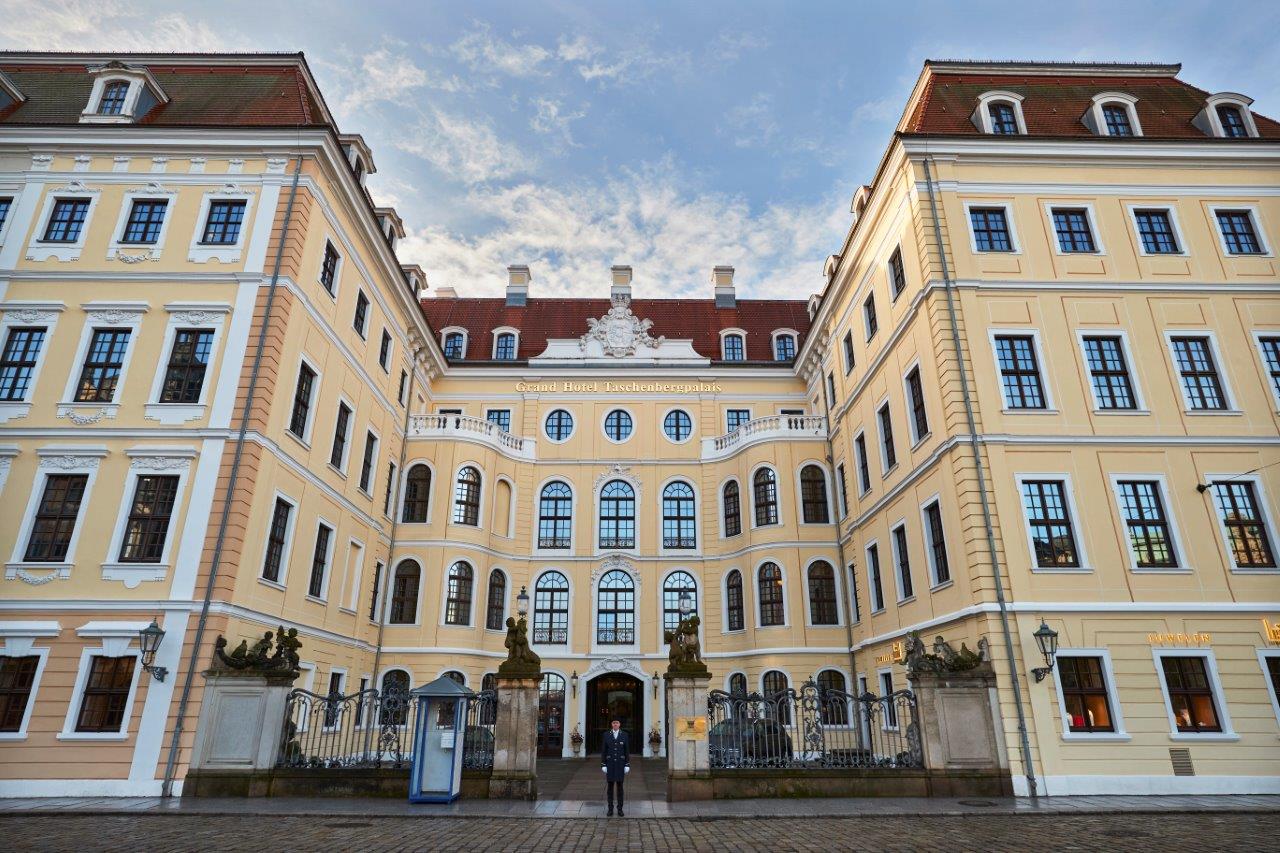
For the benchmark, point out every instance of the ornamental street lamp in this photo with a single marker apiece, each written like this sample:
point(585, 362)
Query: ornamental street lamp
point(656, 681)
point(149, 639)
point(686, 604)
point(1047, 640)
point(522, 602)
point(573, 680)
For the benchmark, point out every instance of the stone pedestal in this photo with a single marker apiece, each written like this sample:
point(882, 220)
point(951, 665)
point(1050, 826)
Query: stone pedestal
point(688, 759)
point(241, 720)
point(960, 726)
point(515, 739)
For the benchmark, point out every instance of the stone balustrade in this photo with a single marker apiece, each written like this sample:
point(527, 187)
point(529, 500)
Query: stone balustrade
point(476, 429)
point(769, 428)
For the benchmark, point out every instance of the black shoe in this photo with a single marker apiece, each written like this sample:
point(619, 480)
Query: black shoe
point(610, 814)
point(620, 814)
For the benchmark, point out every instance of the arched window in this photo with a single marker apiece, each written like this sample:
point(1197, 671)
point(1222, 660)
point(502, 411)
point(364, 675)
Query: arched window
point(555, 516)
point(417, 494)
point(677, 425)
point(488, 709)
point(1116, 115)
point(504, 348)
point(677, 516)
point(444, 711)
point(822, 594)
point(559, 425)
point(734, 349)
point(676, 585)
point(770, 589)
point(551, 714)
point(765, 489)
point(551, 609)
point(617, 515)
point(455, 345)
point(456, 677)
point(833, 704)
point(775, 683)
point(394, 698)
point(466, 497)
point(784, 348)
point(616, 610)
point(457, 605)
point(1004, 120)
point(732, 509)
point(497, 602)
point(738, 684)
point(113, 95)
point(404, 593)
point(489, 681)
point(813, 495)
point(733, 600)
point(617, 425)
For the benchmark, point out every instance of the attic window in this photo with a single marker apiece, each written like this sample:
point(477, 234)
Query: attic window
point(999, 114)
point(1231, 120)
point(121, 94)
point(1227, 115)
point(113, 97)
point(1117, 119)
point(1003, 120)
point(1113, 114)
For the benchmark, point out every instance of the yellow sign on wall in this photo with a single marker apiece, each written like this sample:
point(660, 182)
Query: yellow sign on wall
point(1270, 631)
point(897, 653)
point(691, 728)
point(1179, 639)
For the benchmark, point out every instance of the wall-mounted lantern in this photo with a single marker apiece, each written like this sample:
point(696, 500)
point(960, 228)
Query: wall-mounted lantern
point(1047, 640)
point(149, 639)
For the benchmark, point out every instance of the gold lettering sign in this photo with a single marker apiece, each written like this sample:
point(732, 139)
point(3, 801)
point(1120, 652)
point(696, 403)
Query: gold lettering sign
point(691, 728)
point(1179, 639)
point(611, 387)
point(1271, 632)
point(897, 653)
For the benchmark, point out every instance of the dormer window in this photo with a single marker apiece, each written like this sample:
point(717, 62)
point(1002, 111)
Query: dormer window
point(784, 347)
point(1113, 114)
point(113, 95)
point(1232, 122)
point(455, 345)
point(504, 346)
point(999, 114)
point(1003, 120)
point(1227, 115)
point(734, 348)
point(121, 94)
point(1117, 119)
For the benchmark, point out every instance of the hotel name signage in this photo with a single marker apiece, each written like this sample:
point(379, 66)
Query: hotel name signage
point(1271, 631)
point(897, 653)
point(1179, 639)
point(612, 387)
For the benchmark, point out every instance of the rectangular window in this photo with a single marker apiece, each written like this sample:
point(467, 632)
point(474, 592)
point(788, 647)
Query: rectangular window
point(66, 221)
point(844, 490)
point(887, 448)
point(319, 560)
point(1247, 534)
point(733, 348)
point(1190, 694)
point(373, 597)
point(937, 543)
point(869, 315)
point(1155, 229)
point(18, 361)
point(360, 320)
point(341, 432)
point(329, 268)
point(366, 466)
point(1084, 693)
point(102, 365)
point(145, 220)
point(6, 204)
point(1072, 227)
point(302, 401)
point(1108, 372)
point(55, 520)
point(384, 350)
point(1143, 509)
point(148, 526)
point(222, 227)
point(277, 538)
point(873, 578)
point(990, 229)
point(847, 346)
point(391, 483)
point(332, 709)
point(1052, 536)
point(501, 418)
point(1117, 119)
point(784, 348)
point(903, 557)
point(831, 390)
point(188, 362)
point(17, 677)
point(1238, 232)
point(897, 274)
point(1019, 372)
point(853, 593)
point(860, 456)
point(1270, 348)
point(735, 418)
point(1200, 381)
point(915, 399)
point(106, 693)
point(404, 384)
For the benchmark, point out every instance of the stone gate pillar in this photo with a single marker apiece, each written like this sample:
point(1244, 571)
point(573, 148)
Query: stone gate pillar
point(688, 758)
point(515, 735)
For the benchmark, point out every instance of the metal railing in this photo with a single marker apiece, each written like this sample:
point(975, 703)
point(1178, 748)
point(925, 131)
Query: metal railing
point(615, 636)
point(550, 636)
point(813, 729)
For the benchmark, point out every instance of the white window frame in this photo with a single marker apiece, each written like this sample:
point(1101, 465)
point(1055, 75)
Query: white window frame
point(227, 253)
point(409, 465)
point(444, 594)
point(373, 465)
point(337, 270)
point(116, 639)
point(1015, 246)
point(608, 410)
point(342, 469)
point(637, 495)
point(38, 249)
point(1224, 378)
point(380, 573)
point(363, 329)
point(1091, 218)
point(1228, 732)
point(1097, 122)
point(312, 400)
point(450, 330)
point(17, 639)
point(1113, 698)
point(287, 550)
point(1077, 531)
point(746, 602)
point(981, 116)
point(1171, 211)
point(916, 440)
point(353, 576)
point(116, 316)
point(341, 672)
point(693, 425)
point(779, 333)
point(720, 505)
point(1255, 217)
point(808, 601)
point(1208, 119)
point(552, 650)
point(138, 79)
point(1263, 655)
point(1042, 366)
point(786, 597)
point(388, 593)
point(187, 315)
point(881, 672)
point(27, 314)
point(900, 524)
point(1171, 515)
point(863, 488)
point(327, 576)
point(866, 552)
point(385, 363)
point(842, 497)
point(55, 459)
point(777, 490)
point(724, 333)
point(698, 534)
point(728, 409)
point(505, 330)
point(827, 487)
point(885, 468)
point(161, 460)
point(1265, 512)
point(480, 504)
point(118, 249)
point(934, 583)
point(13, 192)
point(1126, 351)
point(574, 417)
point(553, 553)
point(869, 301)
point(1258, 335)
point(636, 609)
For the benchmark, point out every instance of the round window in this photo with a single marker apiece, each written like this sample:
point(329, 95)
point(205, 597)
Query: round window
point(617, 425)
point(559, 425)
point(677, 425)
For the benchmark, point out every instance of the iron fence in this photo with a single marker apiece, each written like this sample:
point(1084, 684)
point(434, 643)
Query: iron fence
point(481, 719)
point(813, 728)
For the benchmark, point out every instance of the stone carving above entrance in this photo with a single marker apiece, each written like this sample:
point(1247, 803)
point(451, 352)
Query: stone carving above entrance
point(620, 332)
point(626, 666)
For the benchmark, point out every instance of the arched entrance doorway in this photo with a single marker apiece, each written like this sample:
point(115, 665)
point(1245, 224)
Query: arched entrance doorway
point(614, 695)
point(551, 715)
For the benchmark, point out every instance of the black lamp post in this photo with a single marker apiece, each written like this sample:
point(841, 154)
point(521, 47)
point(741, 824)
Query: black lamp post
point(149, 639)
point(522, 602)
point(686, 604)
point(573, 680)
point(1047, 640)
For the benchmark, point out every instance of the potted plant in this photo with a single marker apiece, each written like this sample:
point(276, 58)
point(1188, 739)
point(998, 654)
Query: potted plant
point(655, 740)
point(575, 740)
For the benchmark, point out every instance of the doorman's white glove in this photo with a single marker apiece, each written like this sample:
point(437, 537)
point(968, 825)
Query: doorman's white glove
point(604, 769)
point(626, 769)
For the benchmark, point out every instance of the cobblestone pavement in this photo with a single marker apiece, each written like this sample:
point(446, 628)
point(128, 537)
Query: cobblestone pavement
point(987, 833)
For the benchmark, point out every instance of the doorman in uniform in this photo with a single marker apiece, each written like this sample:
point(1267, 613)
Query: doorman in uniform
point(615, 761)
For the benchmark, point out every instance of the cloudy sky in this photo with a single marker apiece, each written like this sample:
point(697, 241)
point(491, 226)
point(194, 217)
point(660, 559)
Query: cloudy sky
point(670, 136)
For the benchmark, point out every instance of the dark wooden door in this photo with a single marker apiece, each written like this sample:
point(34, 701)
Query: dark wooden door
point(610, 697)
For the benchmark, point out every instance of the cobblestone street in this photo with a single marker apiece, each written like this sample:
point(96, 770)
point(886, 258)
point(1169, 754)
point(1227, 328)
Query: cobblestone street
point(158, 833)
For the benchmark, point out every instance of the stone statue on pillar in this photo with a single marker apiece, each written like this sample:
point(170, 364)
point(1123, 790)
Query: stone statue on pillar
point(515, 731)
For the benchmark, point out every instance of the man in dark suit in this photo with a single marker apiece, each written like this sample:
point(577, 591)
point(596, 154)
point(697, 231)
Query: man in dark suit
point(615, 761)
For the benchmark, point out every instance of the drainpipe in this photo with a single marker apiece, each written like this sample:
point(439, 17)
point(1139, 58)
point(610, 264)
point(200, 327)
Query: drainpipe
point(167, 789)
point(974, 444)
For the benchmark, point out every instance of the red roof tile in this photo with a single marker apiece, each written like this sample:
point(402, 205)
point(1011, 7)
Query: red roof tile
point(695, 319)
point(1054, 104)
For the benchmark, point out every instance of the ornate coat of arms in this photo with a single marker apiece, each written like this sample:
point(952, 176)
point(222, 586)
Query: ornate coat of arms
point(619, 331)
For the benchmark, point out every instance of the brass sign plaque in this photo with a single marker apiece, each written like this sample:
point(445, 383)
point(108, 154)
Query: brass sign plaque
point(691, 728)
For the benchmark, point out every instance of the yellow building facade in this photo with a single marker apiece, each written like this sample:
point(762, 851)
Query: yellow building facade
point(1041, 382)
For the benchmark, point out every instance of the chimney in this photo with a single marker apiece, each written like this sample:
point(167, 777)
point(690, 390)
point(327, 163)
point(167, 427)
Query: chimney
point(722, 278)
point(446, 293)
point(620, 289)
point(518, 279)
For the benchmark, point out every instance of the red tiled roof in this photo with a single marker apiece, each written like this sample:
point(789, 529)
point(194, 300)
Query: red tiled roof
point(249, 95)
point(695, 319)
point(1053, 104)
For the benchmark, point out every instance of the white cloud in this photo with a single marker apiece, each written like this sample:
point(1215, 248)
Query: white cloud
point(729, 45)
point(383, 75)
point(551, 119)
point(463, 149)
point(109, 25)
point(483, 52)
point(752, 123)
point(882, 109)
point(653, 218)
